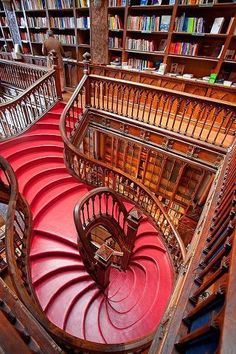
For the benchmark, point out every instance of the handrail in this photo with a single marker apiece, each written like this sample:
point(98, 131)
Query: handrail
point(103, 207)
point(200, 118)
point(20, 113)
point(20, 74)
point(74, 159)
point(17, 259)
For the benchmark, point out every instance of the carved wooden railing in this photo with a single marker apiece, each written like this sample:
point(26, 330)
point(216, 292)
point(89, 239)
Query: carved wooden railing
point(18, 239)
point(102, 207)
point(207, 120)
point(20, 74)
point(74, 120)
point(39, 95)
point(18, 227)
point(205, 305)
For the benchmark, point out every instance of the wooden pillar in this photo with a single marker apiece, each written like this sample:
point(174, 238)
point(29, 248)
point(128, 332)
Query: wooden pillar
point(99, 31)
point(52, 55)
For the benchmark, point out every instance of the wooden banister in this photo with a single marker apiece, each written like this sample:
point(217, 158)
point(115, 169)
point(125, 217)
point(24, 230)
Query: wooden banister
point(38, 96)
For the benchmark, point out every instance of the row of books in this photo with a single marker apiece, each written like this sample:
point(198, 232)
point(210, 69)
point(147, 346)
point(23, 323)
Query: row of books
point(38, 37)
point(184, 48)
point(149, 23)
point(34, 5)
point(62, 22)
point(51, 4)
point(115, 42)
point(140, 64)
point(83, 22)
point(82, 3)
point(189, 24)
point(196, 2)
point(59, 4)
point(140, 44)
point(66, 39)
point(114, 3)
point(115, 22)
point(151, 2)
point(36, 22)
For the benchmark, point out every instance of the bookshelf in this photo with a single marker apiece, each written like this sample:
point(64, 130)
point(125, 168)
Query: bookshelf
point(186, 38)
point(182, 39)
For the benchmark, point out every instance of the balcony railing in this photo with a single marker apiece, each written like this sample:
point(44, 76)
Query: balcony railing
point(40, 93)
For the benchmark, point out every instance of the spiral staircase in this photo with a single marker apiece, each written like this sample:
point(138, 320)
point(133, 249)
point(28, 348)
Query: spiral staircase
point(134, 302)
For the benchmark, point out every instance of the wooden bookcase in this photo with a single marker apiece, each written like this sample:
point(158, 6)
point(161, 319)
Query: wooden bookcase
point(68, 20)
point(216, 52)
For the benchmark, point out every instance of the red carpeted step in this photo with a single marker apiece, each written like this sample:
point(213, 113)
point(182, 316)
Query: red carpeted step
point(134, 301)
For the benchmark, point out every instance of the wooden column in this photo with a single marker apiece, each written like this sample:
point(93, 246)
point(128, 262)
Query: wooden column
point(99, 31)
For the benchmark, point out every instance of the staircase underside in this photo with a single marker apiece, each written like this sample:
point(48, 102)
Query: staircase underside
point(135, 300)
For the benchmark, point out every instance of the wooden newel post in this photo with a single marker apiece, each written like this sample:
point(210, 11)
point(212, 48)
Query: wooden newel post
point(53, 63)
point(86, 62)
point(134, 219)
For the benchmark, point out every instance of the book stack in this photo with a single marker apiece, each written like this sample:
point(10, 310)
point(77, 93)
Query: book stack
point(114, 3)
point(60, 4)
point(140, 44)
point(140, 64)
point(115, 22)
point(189, 24)
point(143, 23)
point(34, 5)
point(38, 22)
point(83, 22)
point(184, 48)
point(115, 42)
point(82, 3)
point(62, 22)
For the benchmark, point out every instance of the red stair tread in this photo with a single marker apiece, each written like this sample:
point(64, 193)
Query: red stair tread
point(75, 321)
point(91, 328)
point(41, 267)
point(135, 300)
point(32, 168)
point(63, 212)
point(42, 244)
point(58, 310)
point(51, 285)
point(37, 182)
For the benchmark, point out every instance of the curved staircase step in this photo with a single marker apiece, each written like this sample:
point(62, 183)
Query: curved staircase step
point(134, 302)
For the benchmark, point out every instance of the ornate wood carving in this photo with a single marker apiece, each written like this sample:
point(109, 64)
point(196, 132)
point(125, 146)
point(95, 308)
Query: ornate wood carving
point(99, 32)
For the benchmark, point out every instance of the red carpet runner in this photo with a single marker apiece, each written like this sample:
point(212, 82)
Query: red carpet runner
point(136, 298)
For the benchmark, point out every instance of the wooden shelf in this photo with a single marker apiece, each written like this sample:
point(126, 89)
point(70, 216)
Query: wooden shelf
point(148, 32)
point(152, 7)
point(144, 52)
point(220, 35)
point(116, 30)
point(193, 57)
point(116, 49)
